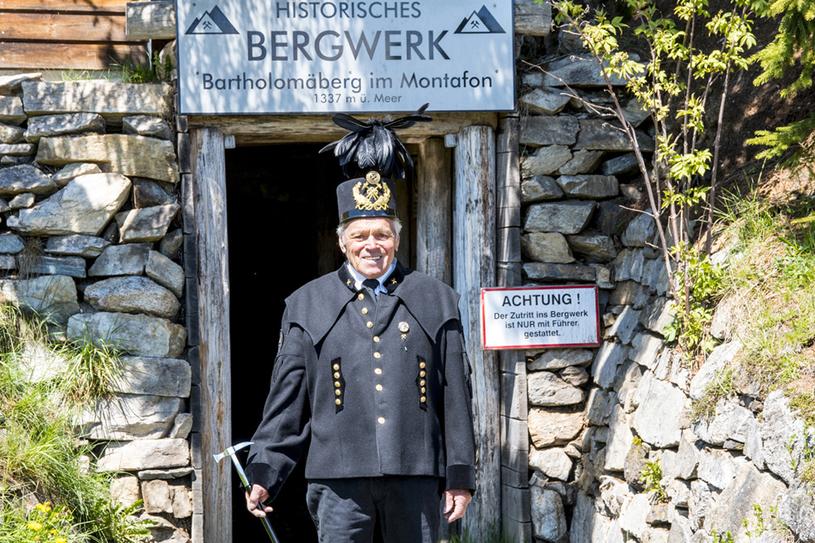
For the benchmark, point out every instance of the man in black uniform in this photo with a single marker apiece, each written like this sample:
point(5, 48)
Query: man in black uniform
point(371, 369)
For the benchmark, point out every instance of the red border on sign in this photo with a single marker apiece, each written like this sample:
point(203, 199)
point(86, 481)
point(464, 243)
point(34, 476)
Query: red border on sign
point(540, 345)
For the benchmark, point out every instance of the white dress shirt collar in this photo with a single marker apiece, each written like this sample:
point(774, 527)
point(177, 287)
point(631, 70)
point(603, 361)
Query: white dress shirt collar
point(359, 278)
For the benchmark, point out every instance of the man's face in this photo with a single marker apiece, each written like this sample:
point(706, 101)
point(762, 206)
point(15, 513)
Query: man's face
point(370, 245)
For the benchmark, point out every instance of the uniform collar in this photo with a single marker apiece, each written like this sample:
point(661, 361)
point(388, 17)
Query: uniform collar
point(353, 279)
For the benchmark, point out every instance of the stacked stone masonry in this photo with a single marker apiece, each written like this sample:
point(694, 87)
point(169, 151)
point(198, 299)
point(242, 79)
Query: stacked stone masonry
point(598, 418)
point(91, 238)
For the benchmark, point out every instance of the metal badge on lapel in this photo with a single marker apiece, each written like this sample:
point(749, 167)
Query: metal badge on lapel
point(404, 327)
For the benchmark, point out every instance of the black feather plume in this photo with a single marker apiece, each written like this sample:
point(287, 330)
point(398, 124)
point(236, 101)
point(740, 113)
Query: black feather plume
point(373, 145)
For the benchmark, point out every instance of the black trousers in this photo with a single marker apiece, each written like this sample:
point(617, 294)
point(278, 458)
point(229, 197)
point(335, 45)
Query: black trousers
point(407, 509)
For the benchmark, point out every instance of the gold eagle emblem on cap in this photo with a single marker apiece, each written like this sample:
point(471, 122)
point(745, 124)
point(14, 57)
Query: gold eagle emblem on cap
point(371, 194)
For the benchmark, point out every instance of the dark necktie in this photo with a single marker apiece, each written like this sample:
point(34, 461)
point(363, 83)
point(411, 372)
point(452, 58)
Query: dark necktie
point(371, 285)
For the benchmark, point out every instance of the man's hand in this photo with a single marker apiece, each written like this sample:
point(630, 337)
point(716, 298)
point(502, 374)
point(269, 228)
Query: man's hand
point(254, 501)
point(455, 504)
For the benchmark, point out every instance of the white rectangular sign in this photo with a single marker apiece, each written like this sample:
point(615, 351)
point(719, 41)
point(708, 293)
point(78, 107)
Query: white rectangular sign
point(281, 56)
point(537, 317)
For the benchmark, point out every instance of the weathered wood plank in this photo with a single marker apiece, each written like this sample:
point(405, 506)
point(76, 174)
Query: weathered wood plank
point(110, 6)
point(433, 210)
point(63, 27)
point(209, 176)
point(151, 20)
point(473, 268)
point(518, 504)
point(320, 128)
point(74, 56)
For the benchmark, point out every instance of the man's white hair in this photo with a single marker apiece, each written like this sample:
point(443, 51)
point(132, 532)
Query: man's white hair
point(396, 226)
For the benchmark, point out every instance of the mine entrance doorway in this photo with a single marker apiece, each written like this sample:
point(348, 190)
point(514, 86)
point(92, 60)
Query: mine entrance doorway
point(282, 216)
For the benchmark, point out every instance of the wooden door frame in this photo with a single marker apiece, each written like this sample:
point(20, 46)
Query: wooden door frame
point(469, 223)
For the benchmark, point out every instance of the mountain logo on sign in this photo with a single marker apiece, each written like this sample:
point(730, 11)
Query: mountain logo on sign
point(480, 22)
point(212, 22)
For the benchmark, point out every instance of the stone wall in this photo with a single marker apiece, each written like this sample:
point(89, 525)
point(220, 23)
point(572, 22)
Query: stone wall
point(600, 418)
point(92, 238)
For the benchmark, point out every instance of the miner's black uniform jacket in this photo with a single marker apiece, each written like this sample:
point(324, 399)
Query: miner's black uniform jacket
point(381, 387)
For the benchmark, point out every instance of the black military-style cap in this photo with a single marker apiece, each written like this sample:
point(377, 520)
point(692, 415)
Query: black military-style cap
point(373, 157)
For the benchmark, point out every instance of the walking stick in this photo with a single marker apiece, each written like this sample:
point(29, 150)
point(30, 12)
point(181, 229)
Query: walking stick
point(231, 453)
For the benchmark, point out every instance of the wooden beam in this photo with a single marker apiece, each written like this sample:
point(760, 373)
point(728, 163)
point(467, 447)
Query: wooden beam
point(110, 6)
point(75, 56)
point(473, 268)
point(209, 178)
point(63, 27)
point(434, 210)
point(264, 129)
point(151, 20)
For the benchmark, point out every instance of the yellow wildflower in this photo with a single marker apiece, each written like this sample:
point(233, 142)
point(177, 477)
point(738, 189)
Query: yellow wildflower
point(43, 507)
point(34, 526)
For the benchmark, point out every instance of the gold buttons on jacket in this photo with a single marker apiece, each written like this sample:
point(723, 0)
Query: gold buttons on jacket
point(422, 364)
point(336, 375)
point(377, 355)
point(379, 388)
point(338, 392)
point(337, 384)
point(360, 296)
point(381, 420)
point(423, 399)
point(376, 339)
point(422, 383)
point(378, 371)
point(369, 324)
point(337, 402)
point(364, 311)
point(422, 373)
point(336, 367)
point(423, 390)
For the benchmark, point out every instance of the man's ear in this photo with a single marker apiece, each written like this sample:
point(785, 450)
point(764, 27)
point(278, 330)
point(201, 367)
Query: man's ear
point(342, 245)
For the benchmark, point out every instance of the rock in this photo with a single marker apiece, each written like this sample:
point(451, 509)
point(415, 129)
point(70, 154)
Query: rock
point(39, 363)
point(147, 224)
point(701, 498)
point(72, 171)
point(614, 494)
point(620, 439)
point(628, 293)
point(548, 516)
point(84, 206)
point(130, 259)
point(612, 216)
point(558, 272)
point(634, 515)
point(24, 178)
point(623, 328)
point(539, 188)
point(640, 231)
point(134, 156)
point(545, 130)
point(11, 110)
point(124, 490)
point(736, 503)
point(556, 359)
point(783, 435)
point(598, 406)
point(678, 492)
point(645, 348)
point(545, 101)
point(546, 389)
point(730, 422)
point(554, 463)
point(171, 243)
point(132, 294)
point(154, 376)
point(716, 362)
point(605, 364)
point(545, 161)
point(76, 245)
point(111, 99)
point(577, 71)
point(606, 136)
point(165, 474)
point(10, 244)
point(546, 247)
point(148, 193)
point(797, 511)
point(72, 266)
point(658, 419)
point(589, 186)
point(687, 458)
point(574, 375)
point(595, 247)
point(182, 426)
point(130, 417)
point(589, 525)
point(621, 165)
point(17, 149)
point(548, 428)
point(659, 317)
point(10, 84)
point(182, 502)
point(22, 201)
point(717, 467)
point(157, 496)
point(165, 272)
point(582, 162)
point(634, 113)
point(628, 265)
point(133, 334)
point(603, 278)
point(59, 125)
point(753, 446)
point(52, 297)
point(145, 125)
point(10, 134)
point(569, 217)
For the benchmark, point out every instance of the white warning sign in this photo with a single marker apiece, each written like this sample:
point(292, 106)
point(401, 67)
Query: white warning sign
point(537, 317)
